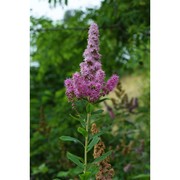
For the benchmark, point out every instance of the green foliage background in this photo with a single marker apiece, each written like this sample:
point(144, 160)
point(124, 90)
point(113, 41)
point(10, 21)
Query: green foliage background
point(56, 51)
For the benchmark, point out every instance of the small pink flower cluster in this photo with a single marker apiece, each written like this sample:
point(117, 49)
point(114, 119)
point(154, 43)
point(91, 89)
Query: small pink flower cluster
point(89, 83)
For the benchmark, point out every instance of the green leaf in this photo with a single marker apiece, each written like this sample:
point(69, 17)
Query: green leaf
point(94, 141)
point(75, 159)
point(79, 118)
point(43, 168)
point(140, 176)
point(93, 168)
point(98, 134)
point(81, 104)
point(74, 117)
point(75, 171)
point(89, 108)
point(69, 138)
point(85, 176)
point(103, 131)
point(100, 111)
point(101, 158)
point(82, 131)
point(63, 174)
point(101, 100)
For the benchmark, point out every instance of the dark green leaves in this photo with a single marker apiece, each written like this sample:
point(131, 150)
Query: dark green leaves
point(91, 172)
point(100, 111)
point(72, 172)
point(75, 159)
point(101, 100)
point(69, 138)
point(85, 176)
point(101, 158)
point(62, 3)
point(80, 105)
point(94, 141)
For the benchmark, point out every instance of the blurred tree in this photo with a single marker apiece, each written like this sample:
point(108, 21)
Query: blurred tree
point(60, 2)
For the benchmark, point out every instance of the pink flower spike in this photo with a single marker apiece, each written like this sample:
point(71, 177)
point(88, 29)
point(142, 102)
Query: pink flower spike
point(112, 82)
point(89, 83)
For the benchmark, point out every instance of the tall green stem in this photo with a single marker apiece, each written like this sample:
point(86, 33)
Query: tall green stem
point(86, 142)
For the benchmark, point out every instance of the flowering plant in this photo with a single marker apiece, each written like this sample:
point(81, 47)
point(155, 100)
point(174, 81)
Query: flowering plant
point(89, 86)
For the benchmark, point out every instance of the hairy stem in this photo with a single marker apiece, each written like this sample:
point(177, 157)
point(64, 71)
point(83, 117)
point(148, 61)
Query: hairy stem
point(86, 142)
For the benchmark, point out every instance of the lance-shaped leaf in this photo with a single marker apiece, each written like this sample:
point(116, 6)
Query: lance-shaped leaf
point(69, 138)
point(101, 158)
point(101, 100)
point(142, 176)
point(82, 131)
point(94, 141)
point(100, 111)
point(74, 117)
point(96, 135)
point(79, 118)
point(75, 159)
